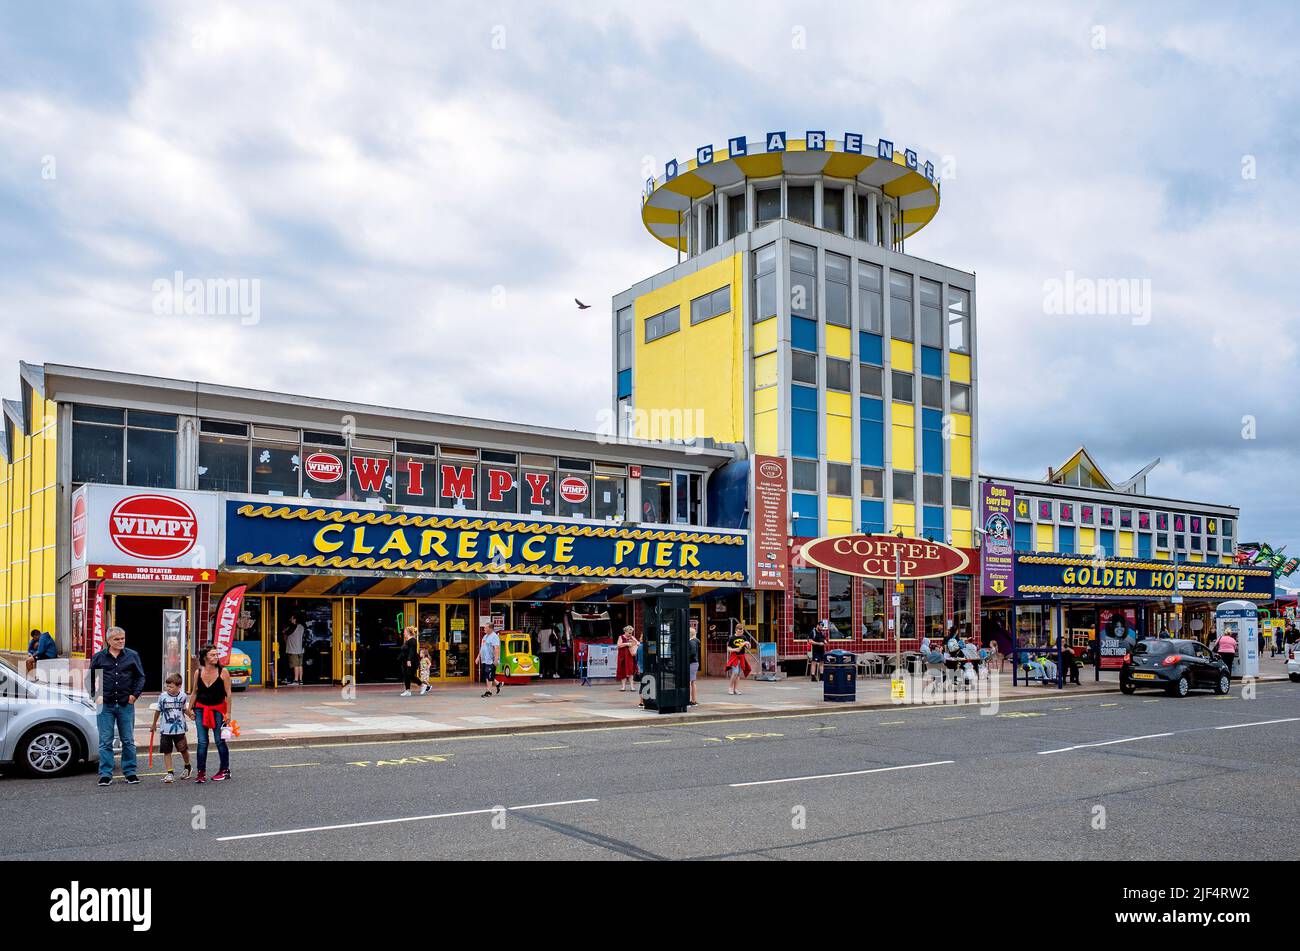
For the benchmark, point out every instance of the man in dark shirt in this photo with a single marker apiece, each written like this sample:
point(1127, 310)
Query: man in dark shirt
point(116, 672)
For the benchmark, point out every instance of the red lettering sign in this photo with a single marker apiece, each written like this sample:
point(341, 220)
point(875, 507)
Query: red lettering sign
point(414, 477)
point(79, 528)
point(157, 527)
point(457, 482)
point(885, 556)
point(499, 483)
point(223, 625)
point(538, 481)
point(323, 467)
point(574, 489)
point(370, 472)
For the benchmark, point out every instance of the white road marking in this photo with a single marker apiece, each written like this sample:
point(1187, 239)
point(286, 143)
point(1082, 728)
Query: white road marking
point(1237, 726)
point(1127, 739)
point(857, 772)
point(385, 822)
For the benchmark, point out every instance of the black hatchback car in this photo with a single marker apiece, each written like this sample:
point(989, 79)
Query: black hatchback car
point(1176, 666)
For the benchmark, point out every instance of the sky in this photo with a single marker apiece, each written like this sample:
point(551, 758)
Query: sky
point(418, 192)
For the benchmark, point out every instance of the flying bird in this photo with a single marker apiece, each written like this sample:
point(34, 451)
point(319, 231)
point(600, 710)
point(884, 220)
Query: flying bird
point(581, 305)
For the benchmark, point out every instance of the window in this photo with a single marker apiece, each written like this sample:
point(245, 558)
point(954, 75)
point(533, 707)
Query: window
point(1067, 512)
point(932, 489)
point(624, 338)
point(370, 474)
point(805, 602)
point(839, 605)
point(839, 479)
point(575, 492)
point(803, 367)
point(498, 487)
point(737, 218)
point(902, 383)
point(904, 487)
point(660, 325)
point(1126, 519)
point(803, 281)
point(838, 375)
point(1085, 515)
point(803, 476)
point(275, 463)
point(934, 614)
point(931, 314)
point(768, 202)
point(765, 304)
point(1162, 521)
point(709, 219)
point(417, 475)
point(959, 397)
point(799, 199)
point(609, 493)
point(537, 491)
point(143, 452)
point(656, 494)
point(837, 290)
point(900, 305)
point(833, 209)
point(962, 603)
point(932, 392)
point(873, 608)
point(958, 320)
point(687, 488)
point(905, 622)
point(961, 493)
point(871, 380)
point(710, 305)
point(223, 462)
point(873, 483)
point(870, 312)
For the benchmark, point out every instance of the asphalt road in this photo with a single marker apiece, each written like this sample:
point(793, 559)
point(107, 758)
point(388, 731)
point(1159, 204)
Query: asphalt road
point(1066, 777)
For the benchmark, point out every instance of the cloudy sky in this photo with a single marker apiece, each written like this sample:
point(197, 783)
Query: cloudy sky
point(421, 190)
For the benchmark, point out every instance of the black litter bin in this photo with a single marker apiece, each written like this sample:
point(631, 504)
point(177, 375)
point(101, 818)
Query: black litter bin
point(840, 683)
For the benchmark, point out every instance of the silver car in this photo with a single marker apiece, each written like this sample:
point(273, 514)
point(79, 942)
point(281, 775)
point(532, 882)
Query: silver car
point(46, 730)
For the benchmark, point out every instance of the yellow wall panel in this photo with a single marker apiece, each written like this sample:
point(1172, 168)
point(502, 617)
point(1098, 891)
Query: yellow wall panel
point(839, 404)
point(959, 456)
point(1196, 556)
point(900, 354)
point(904, 447)
point(1087, 540)
point(1126, 544)
point(692, 378)
point(839, 342)
point(959, 367)
point(765, 335)
point(1046, 539)
point(960, 424)
point(963, 538)
point(766, 399)
point(765, 370)
point(839, 439)
point(902, 414)
point(1162, 556)
point(836, 527)
point(765, 433)
point(904, 518)
point(961, 519)
point(839, 508)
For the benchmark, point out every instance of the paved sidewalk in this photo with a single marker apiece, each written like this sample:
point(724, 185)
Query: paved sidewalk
point(304, 715)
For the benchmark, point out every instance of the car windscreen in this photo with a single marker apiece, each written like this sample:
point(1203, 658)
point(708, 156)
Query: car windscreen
point(1154, 648)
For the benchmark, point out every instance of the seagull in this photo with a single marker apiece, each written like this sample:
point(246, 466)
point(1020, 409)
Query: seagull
point(581, 305)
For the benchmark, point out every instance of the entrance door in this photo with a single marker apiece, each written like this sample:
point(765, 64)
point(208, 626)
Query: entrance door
point(378, 638)
point(445, 631)
point(141, 617)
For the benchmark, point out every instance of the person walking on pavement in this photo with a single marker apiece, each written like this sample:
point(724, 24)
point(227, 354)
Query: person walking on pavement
point(489, 652)
point(626, 671)
point(818, 638)
point(737, 663)
point(546, 646)
point(120, 673)
point(293, 638)
point(211, 697)
point(408, 658)
point(1226, 648)
point(694, 645)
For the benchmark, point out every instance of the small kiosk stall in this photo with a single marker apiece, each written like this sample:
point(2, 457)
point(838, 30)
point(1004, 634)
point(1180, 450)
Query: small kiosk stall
point(666, 614)
point(1241, 620)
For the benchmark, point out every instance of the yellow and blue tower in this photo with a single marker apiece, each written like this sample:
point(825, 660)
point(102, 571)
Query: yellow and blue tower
point(796, 323)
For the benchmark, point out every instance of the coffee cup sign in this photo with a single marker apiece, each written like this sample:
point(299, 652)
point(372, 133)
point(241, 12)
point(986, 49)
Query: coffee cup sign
point(884, 556)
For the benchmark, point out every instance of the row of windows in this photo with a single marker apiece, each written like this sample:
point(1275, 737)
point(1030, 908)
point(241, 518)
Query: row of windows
point(839, 481)
point(1067, 541)
point(117, 447)
point(804, 591)
point(661, 325)
point(710, 305)
point(1108, 516)
point(803, 369)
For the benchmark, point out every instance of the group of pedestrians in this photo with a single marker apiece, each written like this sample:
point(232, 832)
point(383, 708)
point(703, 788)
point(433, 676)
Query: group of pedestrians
point(117, 677)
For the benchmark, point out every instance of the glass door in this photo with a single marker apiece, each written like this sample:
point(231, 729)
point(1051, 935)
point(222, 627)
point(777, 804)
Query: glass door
point(457, 654)
point(345, 621)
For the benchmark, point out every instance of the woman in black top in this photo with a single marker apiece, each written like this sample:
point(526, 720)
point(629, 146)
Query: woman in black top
point(212, 697)
point(409, 659)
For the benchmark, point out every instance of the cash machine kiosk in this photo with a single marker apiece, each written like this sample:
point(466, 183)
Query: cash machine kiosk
point(665, 634)
point(1241, 620)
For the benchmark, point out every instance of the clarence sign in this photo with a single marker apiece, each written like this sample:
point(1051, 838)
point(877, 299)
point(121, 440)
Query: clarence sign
point(884, 556)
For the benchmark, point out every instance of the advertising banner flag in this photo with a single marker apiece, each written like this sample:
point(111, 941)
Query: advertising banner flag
point(998, 563)
point(97, 621)
point(226, 620)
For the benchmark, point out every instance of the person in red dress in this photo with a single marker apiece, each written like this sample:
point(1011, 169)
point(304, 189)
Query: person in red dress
point(627, 648)
point(737, 662)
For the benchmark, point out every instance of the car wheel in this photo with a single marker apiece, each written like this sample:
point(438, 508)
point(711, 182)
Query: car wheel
point(48, 751)
point(1295, 678)
point(1126, 686)
point(1223, 684)
point(1180, 687)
